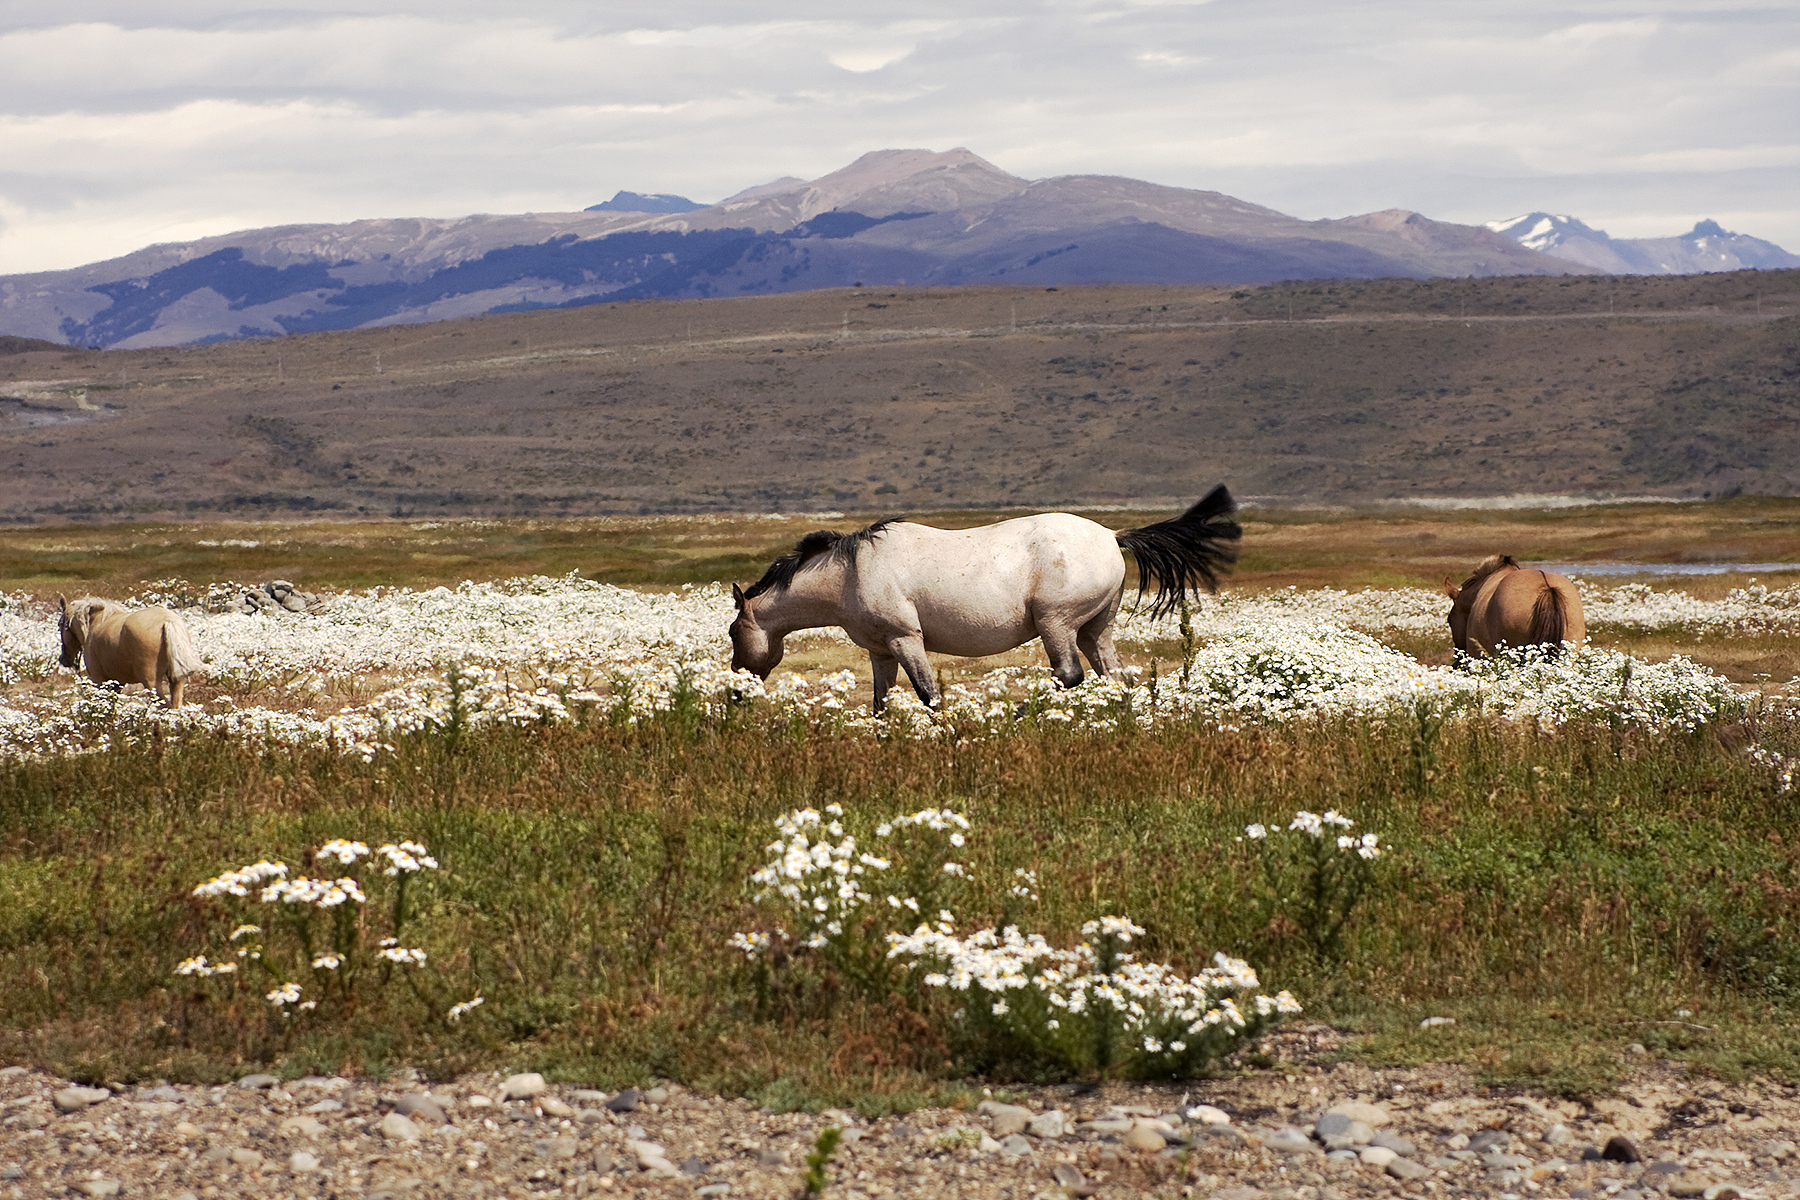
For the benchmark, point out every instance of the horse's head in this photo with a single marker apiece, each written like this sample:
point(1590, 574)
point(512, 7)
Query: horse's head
point(1462, 599)
point(753, 648)
point(72, 623)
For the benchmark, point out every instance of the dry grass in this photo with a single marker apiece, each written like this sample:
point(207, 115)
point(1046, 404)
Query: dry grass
point(914, 400)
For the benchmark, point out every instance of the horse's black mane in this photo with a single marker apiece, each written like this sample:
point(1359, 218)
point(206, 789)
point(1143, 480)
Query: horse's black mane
point(810, 549)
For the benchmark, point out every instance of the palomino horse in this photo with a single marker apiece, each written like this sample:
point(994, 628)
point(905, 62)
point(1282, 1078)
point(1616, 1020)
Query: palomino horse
point(901, 590)
point(1505, 605)
point(150, 646)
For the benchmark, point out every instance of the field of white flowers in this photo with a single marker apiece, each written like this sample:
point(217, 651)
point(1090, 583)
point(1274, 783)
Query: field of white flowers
point(549, 650)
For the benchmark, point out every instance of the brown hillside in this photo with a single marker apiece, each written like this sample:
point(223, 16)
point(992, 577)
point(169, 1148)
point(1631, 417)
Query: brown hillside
point(901, 400)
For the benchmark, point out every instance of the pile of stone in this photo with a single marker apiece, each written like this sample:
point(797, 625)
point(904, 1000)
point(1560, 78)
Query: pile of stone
point(276, 596)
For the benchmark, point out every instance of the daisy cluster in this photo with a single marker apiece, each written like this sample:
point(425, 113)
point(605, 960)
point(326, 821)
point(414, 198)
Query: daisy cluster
point(314, 947)
point(1062, 999)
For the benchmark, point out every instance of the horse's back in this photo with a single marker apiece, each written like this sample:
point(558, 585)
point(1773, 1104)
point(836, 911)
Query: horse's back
point(985, 590)
point(1526, 607)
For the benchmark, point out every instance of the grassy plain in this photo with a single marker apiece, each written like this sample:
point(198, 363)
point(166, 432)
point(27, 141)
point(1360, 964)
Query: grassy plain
point(1561, 895)
point(918, 400)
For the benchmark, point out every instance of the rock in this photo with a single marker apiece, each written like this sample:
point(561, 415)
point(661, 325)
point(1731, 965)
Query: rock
point(1108, 1125)
point(625, 1101)
point(479, 1101)
point(1688, 1184)
point(1393, 1141)
point(1206, 1114)
point(1620, 1149)
point(1351, 1134)
point(1776, 1148)
point(1071, 1180)
point(302, 1161)
point(1005, 1119)
point(587, 1096)
point(187, 1129)
point(1342, 1156)
point(302, 1126)
point(1636, 1049)
point(1015, 1146)
point(1332, 1124)
point(523, 1087)
point(695, 1165)
point(1722, 1191)
point(1558, 1135)
point(99, 1187)
point(1378, 1156)
point(590, 1116)
point(553, 1107)
point(293, 602)
point(420, 1107)
point(1144, 1138)
point(564, 1146)
point(1434, 1022)
point(74, 1099)
point(657, 1095)
point(1496, 1160)
point(9, 1072)
point(1289, 1140)
point(1490, 1139)
point(12, 1171)
point(713, 1189)
point(1457, 1141)
point(1406, 1169)
point(988, 1145)
point(1047, 1125)
point(1372, 1115)
point(258, 1083)
point(397, 1128)
point(250, 1160)
point(327, 1105)
point(651, 1157)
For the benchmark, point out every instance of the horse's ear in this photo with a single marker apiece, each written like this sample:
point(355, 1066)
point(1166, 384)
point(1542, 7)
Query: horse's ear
point(1450, 588)
point(63, 603)
point(737, 596)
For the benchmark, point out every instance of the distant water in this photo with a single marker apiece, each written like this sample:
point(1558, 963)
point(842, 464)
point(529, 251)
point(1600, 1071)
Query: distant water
point(1616, 568)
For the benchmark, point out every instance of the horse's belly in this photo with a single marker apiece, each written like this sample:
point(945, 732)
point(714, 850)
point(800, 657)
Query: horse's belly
point(977, 642)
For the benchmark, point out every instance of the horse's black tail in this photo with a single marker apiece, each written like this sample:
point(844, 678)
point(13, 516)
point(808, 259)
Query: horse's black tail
point(1185, 553)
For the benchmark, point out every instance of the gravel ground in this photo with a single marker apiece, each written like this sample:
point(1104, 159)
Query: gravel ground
point(1327, 1130)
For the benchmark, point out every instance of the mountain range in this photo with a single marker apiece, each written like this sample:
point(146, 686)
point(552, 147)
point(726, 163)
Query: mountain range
point(1706, 247)
point(892, 217)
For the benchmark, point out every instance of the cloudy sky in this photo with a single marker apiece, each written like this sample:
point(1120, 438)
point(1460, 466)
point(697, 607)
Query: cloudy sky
point(127, 122)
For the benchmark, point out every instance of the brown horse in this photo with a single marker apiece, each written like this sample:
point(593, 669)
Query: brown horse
point(150, 646)
point(1505, 605)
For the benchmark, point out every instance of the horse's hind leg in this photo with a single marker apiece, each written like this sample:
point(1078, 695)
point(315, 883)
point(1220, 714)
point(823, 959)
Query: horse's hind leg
point(1065, 663)
point(1096, 642)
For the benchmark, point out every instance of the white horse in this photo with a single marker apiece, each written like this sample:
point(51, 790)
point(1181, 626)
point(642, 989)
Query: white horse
point(900, 590)
point(150, 646)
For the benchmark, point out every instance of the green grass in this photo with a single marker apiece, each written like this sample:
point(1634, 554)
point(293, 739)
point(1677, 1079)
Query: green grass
point(1558, 894)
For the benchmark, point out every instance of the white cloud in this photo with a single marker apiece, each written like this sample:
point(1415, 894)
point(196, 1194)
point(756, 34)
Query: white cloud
point(121, 121)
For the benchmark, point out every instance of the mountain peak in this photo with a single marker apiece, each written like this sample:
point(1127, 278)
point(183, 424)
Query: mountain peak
point(1709, 228)
point(637, 202)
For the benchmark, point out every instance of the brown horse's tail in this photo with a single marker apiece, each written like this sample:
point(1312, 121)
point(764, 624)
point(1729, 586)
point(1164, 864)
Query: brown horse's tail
point(1549, 620)
point(176, 657)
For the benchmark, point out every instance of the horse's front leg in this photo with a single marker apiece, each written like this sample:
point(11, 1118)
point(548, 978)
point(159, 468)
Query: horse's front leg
point(910, 651)
point(884, 669)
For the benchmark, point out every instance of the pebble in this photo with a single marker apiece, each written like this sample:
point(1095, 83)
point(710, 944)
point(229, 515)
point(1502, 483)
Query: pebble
point(99, 1187)
point(1015, 1145)
point(625, 1101)
point(302, 1161)
point(250, 1160)
point(74, 1099)
point(1393, 1141)
point(1047, 1125)
point(1004, 1119)
point(523, 1087)
point(303, 1126)
point(1378, 1156)
point(421, 1108)
point(657, 1095)
point(257, 1083)
point(1290, 1141)
point(1206, 1114)
point(1406, 1168)
point(1372, 1115)
point(1144, 1138)
point(397, 1128)
point(1620, 1149)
